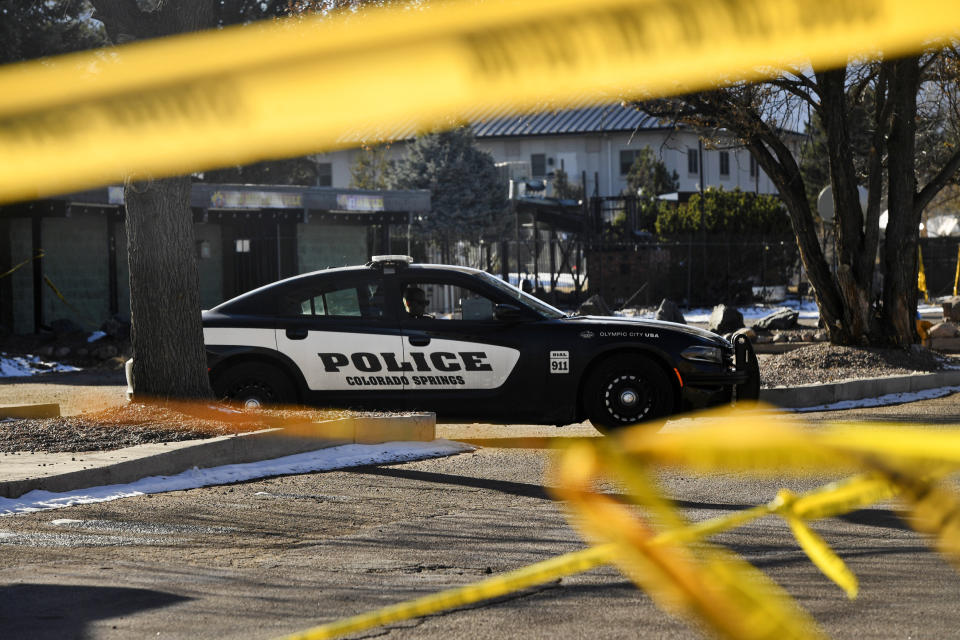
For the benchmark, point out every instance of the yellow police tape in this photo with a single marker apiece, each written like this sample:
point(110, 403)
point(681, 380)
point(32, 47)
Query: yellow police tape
point(832, 499)
point(922, 276)
point(40, 254)
point(648, 539)
point(296, 86)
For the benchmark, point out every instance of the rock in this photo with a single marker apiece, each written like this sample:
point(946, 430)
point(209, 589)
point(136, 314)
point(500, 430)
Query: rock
point(951, 309)
point(105, 352)
point(116, 327)
point(943, 330)
point(821, 336)
point(594, 306)
point(83, 352)
point(779, 319)
point(779, 338)
point(63, 326)
point(45, 351)
point(764, 339)
point(794, 337)
point(669, 311)
point(806, 336)
point(61, 352)
point(725, 319)
point(750, 333)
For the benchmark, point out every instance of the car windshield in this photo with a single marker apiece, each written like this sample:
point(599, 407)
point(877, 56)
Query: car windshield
point(523, 298)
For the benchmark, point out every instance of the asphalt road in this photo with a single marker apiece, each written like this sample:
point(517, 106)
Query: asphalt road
point(260, 559)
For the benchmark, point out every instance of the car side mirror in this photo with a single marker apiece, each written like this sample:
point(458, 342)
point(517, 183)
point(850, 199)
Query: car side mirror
point(507, 312)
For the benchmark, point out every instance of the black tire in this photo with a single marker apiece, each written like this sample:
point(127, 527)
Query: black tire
point(255, 384)
point(627, 389)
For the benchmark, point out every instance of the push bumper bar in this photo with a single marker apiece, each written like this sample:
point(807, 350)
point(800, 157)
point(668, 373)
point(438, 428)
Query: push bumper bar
point(748, 369)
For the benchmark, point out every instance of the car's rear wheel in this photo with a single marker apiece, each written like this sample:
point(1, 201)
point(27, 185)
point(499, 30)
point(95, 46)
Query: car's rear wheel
point(255, 384)
point(625, 390)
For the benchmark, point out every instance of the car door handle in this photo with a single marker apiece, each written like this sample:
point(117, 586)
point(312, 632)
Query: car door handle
point(419, 341)
point(297, 334)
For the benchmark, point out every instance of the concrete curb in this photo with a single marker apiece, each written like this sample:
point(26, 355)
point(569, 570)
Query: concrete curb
point(813, 395)
point(57, 473)
point(31, 411)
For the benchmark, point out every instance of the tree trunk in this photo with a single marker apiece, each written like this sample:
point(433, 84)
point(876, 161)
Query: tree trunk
point(169, 359)
point(778, 162)
point(854, 276)
point(167, 337)
point(900, 249)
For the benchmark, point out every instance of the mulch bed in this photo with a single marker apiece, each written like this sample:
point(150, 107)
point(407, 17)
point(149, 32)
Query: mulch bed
point(137, 423)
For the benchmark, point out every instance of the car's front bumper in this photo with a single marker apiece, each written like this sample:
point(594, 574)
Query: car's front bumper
point(740, 382)
point(747, 369)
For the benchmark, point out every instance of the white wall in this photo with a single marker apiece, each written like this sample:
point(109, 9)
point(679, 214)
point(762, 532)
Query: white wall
point(599, 153)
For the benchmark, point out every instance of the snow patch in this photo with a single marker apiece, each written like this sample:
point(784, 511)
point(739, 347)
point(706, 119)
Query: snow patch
point(96, 335)
point(350, 455)
point(29, 365)
point(882, 401)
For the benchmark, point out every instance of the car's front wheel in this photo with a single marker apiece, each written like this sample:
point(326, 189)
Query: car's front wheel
point(627, 389)
point(254, 384)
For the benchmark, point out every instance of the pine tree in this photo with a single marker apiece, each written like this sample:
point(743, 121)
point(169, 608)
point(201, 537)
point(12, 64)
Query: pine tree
point(466, 191)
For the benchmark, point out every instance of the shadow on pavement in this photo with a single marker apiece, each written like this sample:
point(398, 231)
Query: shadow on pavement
point(512, 488)
point(533, 442)
point(41, 611)
point(883, 518)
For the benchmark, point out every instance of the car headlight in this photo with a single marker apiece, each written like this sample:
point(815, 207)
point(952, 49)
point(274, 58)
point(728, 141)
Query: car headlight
point(703, 354)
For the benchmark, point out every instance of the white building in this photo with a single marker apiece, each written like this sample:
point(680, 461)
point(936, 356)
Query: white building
point(598, 142)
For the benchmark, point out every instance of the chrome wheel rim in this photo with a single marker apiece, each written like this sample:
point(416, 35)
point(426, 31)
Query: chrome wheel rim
point(627, 399)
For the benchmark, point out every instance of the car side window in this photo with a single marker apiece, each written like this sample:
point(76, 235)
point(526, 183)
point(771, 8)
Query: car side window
point(427, 300)
point(357, 298)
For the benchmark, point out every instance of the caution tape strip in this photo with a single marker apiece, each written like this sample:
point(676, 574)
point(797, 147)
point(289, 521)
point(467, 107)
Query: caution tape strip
point(831, 499)
point(535, 574)
point(40, 254)
point(302, 85)
point(702, 576)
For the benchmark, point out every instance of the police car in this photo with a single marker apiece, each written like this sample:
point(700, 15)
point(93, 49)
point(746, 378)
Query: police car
point(460, 342)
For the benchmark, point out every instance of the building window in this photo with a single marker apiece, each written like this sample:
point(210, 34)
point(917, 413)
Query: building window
point(724, 163)
point(753, 166)
point(242, 245)
point(627, 156)
point(693, 161)
point(538, 165)
point(324, 174)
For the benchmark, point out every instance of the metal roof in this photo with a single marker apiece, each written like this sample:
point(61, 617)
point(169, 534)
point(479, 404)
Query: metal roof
point(506, 122)
point(612, 117)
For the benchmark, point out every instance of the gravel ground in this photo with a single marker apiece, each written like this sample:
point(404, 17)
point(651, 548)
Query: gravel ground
point(103, 420)
point(824, 362)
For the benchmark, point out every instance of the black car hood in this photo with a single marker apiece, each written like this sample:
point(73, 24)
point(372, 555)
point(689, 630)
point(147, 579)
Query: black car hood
point(662, 325)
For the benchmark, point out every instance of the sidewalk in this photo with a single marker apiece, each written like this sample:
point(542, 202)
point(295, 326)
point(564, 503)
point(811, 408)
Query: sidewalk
point(815, 395)
point(21, 473)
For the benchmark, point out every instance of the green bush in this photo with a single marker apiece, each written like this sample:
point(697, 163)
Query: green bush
point(734, 211)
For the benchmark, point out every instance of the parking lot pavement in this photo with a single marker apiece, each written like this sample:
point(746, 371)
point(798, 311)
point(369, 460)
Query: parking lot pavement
point(262, 558)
